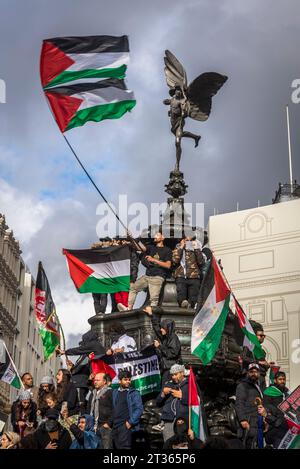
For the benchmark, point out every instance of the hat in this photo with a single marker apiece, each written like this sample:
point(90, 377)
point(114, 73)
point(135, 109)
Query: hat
point(176, 369)
point(52, 414)
point(24, 395)
point(47, 380)
point(253, 365)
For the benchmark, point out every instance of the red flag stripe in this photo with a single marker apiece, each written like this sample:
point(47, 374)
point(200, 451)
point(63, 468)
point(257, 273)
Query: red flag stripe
point(53, 62)
point(193, 392)
point(79, 271)
point(222, 290)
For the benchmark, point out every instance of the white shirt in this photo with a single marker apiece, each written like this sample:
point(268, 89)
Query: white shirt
point(125, 341)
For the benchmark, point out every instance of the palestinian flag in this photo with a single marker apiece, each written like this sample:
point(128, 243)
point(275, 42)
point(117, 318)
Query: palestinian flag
point(273, 370)
point(67, 62)
point(273, 391)
point(212, 311)
point(45, 314)
point(143, 365)
point(75, 105)
point(250, 339)
point(105, 270)
point(8, 370)
point(196, 410)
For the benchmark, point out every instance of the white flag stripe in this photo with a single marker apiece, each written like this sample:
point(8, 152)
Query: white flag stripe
point(111, 269)
point(206, 319)
point(96, 61)
point(101, 96)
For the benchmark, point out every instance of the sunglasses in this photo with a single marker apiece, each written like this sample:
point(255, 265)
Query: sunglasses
point(261, 335)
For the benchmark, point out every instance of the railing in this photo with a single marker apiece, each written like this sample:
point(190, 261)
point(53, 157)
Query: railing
point(287, 192)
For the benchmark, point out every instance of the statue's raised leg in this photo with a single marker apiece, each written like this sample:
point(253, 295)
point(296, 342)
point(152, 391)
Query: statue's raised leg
point(191, 135)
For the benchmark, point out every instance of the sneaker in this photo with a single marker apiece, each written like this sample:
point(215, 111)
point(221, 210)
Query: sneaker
point(122, 307)
point(184, 304)
point(159, 427)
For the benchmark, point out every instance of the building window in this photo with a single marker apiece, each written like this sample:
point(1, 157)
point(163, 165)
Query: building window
point(29, 326)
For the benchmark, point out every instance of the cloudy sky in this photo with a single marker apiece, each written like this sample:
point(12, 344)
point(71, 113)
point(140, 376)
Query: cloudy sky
point(242, 156)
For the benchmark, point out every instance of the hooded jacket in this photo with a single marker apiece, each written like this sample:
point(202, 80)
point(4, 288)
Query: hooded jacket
point(182, 431)
point(135, 406)
point(86, 439)
point(273, 396)
point(88, 344)
point(169, 351)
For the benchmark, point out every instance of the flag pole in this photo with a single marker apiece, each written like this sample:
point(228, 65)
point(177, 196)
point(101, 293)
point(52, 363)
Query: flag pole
point(190, 407)
point(290, 149)
point(13, 364)
point(94, 184)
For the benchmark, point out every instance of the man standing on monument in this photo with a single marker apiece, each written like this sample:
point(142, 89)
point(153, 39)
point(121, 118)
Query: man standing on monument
point(157, 259)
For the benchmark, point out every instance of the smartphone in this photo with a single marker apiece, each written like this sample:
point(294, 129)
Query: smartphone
point(64, 406)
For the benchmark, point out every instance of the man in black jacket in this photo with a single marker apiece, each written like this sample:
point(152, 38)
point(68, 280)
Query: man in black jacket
point(174, 400)
point(248, 396)
point(273, 396)
point(101, 408)
point(167, 344)
point(51, 434)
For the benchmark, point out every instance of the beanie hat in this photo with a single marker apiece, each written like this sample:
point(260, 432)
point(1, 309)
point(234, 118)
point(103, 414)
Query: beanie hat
point(24, 395)
point(176, 369)
point(47, 380)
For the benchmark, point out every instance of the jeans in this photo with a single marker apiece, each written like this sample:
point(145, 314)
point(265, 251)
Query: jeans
point(106, 437)
point(122, 437)
point(187, 289)
point(153, 283)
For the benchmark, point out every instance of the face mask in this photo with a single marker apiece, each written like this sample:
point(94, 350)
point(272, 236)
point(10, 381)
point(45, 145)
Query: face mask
point(51, 425)
point(181, 429)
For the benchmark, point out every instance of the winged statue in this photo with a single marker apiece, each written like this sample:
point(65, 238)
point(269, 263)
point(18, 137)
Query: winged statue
point(193, 100)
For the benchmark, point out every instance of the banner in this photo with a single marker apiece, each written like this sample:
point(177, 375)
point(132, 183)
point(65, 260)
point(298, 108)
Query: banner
point(291, 407)
point(143, 366)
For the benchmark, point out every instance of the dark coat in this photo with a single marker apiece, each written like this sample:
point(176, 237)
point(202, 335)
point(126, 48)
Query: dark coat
point(89, 343)
point(43, 438)
point(193, 260)
point(105, 408)
point(277, 423)
point(15, 415)
point(71, 396)
point(135, 406)
point(134, 265)
point(173, 407)
point(169, 351)
point(245, 406)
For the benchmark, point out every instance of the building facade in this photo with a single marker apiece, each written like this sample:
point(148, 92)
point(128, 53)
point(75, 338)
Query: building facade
point(17, 320)
point(260, 252)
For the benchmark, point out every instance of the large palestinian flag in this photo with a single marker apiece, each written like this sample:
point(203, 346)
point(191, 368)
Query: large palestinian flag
point(212, 311)
point(72, 69)
point(196, 410)
point(143, 365)
point(104, 270)
point(8, 370)
point(45, 314)
point(250, 339)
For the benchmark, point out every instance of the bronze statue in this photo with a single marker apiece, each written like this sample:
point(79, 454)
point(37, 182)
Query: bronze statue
point(193, 100)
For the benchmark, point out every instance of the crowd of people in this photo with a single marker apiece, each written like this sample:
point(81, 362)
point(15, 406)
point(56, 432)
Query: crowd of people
point(81, 409)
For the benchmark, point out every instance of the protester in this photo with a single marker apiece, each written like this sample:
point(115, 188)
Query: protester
point(248, 357)
point(66, 392)
point(80, 372)
point(27, 381)
point(127, 410)
point(24, 414)
point(51, 434)
point(183, 437)
point(174, 400)
point(85, 437)
point(274, 417)
point(157, 259)
point(46, 387)
point(101, 408)
point(167, 344)
point(9, 440)
point(247, 391)
point(28, 442)
point(121, 342)
point(187, 258)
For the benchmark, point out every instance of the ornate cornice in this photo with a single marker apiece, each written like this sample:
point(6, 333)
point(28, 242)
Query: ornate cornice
point(250, 283)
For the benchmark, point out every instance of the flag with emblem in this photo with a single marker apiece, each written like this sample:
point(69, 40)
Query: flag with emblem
point(212, 311)
point(250, 339)
point(8, 371)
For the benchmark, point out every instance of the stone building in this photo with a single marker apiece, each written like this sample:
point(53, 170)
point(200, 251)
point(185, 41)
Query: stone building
point(17, 321)
point(260, 252)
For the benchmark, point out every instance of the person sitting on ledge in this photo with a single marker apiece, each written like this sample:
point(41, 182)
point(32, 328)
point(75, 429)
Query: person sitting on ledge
point(157, 259)
point(121, 342)
point(187, 258)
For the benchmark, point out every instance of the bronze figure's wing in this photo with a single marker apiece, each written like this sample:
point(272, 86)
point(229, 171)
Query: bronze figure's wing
point(174, 71)
point(200, 93)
